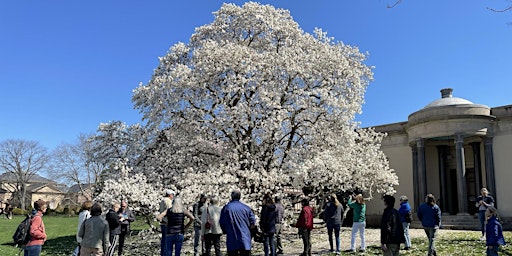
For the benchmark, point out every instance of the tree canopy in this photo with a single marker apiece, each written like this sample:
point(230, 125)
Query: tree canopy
point(254, 102)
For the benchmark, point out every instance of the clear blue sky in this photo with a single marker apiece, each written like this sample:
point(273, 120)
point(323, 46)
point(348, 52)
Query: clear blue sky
point(66, 66)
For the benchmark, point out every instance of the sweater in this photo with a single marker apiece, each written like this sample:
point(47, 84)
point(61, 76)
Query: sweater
point(94, 233)
point(429, 215)
point(359, 210)
point(37, 231)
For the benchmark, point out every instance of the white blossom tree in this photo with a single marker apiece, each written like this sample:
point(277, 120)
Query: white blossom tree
point(254, 102)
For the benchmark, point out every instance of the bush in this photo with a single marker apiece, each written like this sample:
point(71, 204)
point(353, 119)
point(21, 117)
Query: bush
point(18, 211)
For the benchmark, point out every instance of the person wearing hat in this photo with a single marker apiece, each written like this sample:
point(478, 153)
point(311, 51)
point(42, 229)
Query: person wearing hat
point(197, 212)
point(165, 204)
point(37, 231)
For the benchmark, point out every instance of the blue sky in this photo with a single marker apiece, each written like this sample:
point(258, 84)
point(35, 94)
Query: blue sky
point(66, 66)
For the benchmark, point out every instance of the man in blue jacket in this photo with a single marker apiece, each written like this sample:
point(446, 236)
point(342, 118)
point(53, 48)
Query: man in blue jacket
point(236, 221)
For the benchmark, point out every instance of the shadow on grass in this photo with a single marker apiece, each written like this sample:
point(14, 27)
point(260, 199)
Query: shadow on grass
point(63, 245)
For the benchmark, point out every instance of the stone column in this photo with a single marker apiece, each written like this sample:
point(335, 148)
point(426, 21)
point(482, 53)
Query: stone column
point(422, 169)
point(417, 197)
point(477, 162)
point(441, 156)
point(461, 175)
point(489, 168)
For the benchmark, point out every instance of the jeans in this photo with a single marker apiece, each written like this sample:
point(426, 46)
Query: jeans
point(163, 243)
point(358, 226)
point(279, 245)
point(32, 250)
point(481, 218)
point(198, 244)
point(269, 242)
point(406, 234)
point(431, 234)
point(212, 239)
point(336, 228)
point(175, 242)
point(492, 252)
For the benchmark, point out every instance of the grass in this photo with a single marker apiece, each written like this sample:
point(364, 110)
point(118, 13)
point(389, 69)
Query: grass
point(61, 232)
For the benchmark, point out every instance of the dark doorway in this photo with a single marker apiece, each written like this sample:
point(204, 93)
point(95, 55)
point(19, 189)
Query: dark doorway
point(451, 205)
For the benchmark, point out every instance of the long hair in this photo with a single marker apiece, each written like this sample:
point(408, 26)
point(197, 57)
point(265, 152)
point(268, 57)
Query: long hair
point(177, 205)
point(431, 199)
point(360, 199)
point(334, 199)
point(491, 212)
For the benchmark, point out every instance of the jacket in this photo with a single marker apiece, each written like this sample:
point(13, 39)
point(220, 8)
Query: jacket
point(391, 229)
point(94, 233)
point(405, 208)
point(214, 212)
point(429, 215)
point(236, 220)
point(129, 217)
point(359, 210)
point(268, 217)
point(114, 222)
point(85, 214)
point(333, 214)
point(494, 232)
point(37, 231)
point(305, 218)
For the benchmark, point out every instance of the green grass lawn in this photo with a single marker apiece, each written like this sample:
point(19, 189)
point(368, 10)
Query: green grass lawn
point(61, 232)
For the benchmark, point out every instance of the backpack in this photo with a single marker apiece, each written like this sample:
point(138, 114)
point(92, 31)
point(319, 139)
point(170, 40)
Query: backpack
point(408, 217)
point(22, 235)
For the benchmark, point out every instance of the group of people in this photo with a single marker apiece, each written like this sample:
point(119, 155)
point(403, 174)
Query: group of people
point(211, 221)
point(98, 236)
point(102, 236)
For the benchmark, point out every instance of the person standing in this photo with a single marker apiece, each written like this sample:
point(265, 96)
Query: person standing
point(210, 227)
point(94, 233)
point(494, 232)
point(268, 216)
point(391, 228)
point(305, 225)
point(198, 211)
point(165, 204)
point(127, 217)
point(37, 231)
point(357, 203)
point(333, 218)
point(429, 214)
point(279, 224)
point(84, 214)
point(236, 221)
point(176, 226)
point(483, 201)
point(113, 219)
point(405, 215)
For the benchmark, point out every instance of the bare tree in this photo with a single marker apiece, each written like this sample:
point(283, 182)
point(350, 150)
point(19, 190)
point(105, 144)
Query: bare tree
point(71, 164)
point(22, 159)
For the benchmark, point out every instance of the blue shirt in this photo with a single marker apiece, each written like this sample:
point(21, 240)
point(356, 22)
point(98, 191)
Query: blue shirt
point(236, 219)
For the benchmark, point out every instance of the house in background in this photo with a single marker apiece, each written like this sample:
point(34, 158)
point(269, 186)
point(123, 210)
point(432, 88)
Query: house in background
point(37, 188)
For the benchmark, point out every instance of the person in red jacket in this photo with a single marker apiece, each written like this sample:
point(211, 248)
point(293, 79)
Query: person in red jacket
point(305, 225)
point(37, 232)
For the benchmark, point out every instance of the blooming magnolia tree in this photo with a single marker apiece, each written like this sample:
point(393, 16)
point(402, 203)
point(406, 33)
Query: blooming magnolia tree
point(254, 102)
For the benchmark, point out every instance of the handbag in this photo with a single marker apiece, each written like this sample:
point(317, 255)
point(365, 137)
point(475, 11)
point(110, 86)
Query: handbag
point(208, 223)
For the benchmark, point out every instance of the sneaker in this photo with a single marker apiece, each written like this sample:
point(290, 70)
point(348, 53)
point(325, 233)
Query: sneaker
point(482, 238)
point(407, 248)
point(338, 253)
point(280, 252)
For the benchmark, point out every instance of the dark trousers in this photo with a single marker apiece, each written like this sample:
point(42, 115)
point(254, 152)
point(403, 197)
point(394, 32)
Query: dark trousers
point(122, 238)
point(306, 241)
point(212, 239)
point(163, 243)
point(240, 253)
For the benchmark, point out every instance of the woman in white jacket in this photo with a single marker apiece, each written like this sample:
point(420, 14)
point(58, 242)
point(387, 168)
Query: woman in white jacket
point(210, 227)
point(85, 213)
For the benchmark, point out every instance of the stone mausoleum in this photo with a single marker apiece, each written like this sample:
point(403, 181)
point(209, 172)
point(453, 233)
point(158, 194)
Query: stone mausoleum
point(451, 148)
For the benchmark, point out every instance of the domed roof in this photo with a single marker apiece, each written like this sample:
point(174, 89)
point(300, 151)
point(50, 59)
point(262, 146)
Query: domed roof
point(447, 99)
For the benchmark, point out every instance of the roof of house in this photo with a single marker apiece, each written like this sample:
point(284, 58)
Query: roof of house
point(10, 177)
